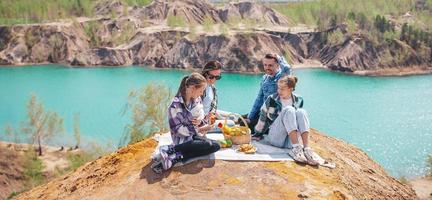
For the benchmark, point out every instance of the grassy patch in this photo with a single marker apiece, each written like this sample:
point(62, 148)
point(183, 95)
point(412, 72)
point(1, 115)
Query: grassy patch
point(369, 18)
point(224, 29)
point(5, 32)
point(208, 24)
point(91, 28)
point(77, 159)
point(193, 31)
point(124, 35)
point(57, 43)
point(36, 11)
point(138, 2)
point(33, 167)
point(309, 12)
point(336, 37)
point(176, 21)
point(30, 38)
point(288, 56)
point(14, 194)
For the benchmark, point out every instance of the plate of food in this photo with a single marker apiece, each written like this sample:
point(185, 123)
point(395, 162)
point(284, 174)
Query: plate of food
point(247, 148)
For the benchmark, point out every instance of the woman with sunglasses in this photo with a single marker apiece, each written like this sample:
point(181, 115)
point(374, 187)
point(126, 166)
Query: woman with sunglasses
point(212, 71)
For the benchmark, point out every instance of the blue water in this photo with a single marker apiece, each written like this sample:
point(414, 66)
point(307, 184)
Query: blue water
point(390, 118)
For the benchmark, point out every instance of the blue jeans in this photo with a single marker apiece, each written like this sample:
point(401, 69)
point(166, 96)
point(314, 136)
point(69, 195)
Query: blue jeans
point(289, 120)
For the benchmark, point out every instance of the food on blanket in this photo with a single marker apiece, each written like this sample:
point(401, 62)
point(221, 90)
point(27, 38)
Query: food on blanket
point(229, 143)
point(247, 148)
point(233, 131)
point(225, 143)
point(225, 129)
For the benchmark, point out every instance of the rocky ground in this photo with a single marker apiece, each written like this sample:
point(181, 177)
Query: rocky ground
point(12, 165)
point(126, 174)
point(423, 187)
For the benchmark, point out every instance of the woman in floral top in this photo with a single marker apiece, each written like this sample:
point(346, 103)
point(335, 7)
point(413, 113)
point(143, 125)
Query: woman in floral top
point(184, 126)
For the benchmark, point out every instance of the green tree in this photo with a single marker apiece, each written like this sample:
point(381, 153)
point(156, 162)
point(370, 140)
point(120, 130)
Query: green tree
point(11, 134)
point(379, 23)
point(414, 42)
point(91, 29)
point(362, 20)
point(148, 108)
point(404, 32)
point(41, 125)
point(334, 21)
point(351, 16)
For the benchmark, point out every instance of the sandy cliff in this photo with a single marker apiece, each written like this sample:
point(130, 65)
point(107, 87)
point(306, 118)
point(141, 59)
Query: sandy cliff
point(144, 36)
point(126, 174)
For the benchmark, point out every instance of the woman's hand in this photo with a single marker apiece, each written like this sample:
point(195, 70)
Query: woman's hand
point(204, 129)
point(196, 122)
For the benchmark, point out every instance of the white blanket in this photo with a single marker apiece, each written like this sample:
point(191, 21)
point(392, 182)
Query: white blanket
point(265, 152)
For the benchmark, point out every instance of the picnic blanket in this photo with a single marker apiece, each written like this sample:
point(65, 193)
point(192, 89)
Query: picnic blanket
point(265, 151)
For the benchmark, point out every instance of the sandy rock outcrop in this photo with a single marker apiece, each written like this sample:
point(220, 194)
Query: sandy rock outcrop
point(141, 36)
point(11, 172)
point(45, 43)
point(193, 11)
point(126, 174)
point(253, 12)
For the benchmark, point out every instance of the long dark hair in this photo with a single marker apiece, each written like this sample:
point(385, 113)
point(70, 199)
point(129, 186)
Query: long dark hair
point(195, 79)
point(210, 66)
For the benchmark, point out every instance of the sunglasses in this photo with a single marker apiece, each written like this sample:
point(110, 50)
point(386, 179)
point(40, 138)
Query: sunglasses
point(214, 77)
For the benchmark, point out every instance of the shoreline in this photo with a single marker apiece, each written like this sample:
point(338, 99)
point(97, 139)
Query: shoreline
point(422, 186)
point(309, 64)
point(411, 71)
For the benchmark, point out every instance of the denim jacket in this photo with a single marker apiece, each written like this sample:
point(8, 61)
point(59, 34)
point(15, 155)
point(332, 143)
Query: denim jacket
point(268, 86)
point(270, 111)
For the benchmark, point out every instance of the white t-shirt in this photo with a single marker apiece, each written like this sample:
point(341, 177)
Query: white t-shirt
point(286, 102)
point(198, 112)
point(208, 99)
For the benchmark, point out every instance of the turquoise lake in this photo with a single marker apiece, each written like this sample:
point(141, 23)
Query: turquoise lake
point(388, 117)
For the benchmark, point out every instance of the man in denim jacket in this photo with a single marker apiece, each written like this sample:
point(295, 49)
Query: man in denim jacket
point(275, 67)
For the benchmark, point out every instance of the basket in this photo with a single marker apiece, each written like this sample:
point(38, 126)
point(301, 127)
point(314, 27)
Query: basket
point(238, 134)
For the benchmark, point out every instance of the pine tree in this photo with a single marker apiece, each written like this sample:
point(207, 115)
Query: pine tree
point(404, 32)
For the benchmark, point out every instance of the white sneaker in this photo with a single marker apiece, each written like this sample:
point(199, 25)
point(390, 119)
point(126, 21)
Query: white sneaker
point(156, 156)
point(311, 156)
point(297, 154)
